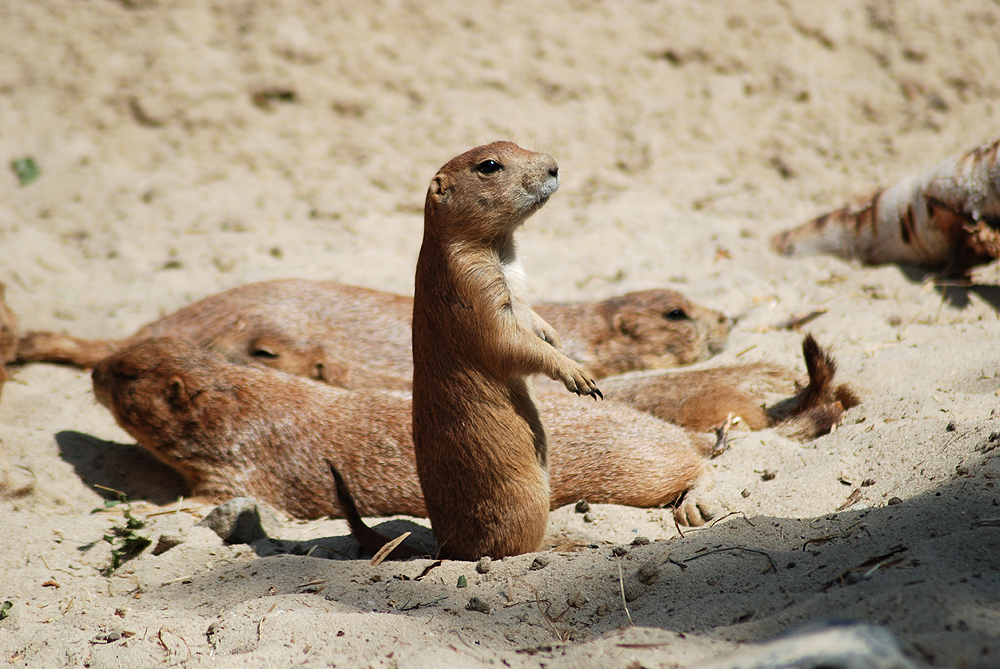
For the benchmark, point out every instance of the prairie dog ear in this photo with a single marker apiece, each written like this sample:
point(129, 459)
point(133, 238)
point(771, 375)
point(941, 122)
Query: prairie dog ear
point(440, 189)
point(626, 322)
point(177, 393)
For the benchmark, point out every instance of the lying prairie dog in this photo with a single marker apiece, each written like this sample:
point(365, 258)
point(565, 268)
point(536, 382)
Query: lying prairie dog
point(704, 399)
point(945, 217)
point(234, 430)
point(357, 337)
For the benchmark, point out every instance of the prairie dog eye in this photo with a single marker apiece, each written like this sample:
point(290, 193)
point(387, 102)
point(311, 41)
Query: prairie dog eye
point(675, 315)
point(488, 167)
point(263, 352)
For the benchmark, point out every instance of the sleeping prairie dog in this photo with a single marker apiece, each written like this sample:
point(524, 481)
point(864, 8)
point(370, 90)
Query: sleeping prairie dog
point(480, 446)
point(356, 337)
point(234, 430)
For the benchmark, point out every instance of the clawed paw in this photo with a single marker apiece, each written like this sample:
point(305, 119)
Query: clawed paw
point(694, 510)
point(584, 385)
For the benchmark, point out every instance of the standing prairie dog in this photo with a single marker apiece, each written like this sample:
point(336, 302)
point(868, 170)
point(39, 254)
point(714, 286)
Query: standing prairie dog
point(481, 449)
point(234, 430)
point(356, 337)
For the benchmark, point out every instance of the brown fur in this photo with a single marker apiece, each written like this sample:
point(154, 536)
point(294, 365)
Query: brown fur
point(233, 430)
point(481, 449)
point(703, 399)
point(360, 338)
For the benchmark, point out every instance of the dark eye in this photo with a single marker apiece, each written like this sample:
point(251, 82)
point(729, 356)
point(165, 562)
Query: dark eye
point(488, 167)
point(262, 352)
point(675, 315)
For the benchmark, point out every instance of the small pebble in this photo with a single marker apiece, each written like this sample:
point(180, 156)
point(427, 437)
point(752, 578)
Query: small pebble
point(589, 518)
point(640, 541)
point(649, 572)
point(540, 562)
point(484, 565)
point(477, 604)
point(619, 551)
point(893, 501)
point(768, 475)
point(582, 506)
point(242, 521)
point(168, 541)
point(633, 591)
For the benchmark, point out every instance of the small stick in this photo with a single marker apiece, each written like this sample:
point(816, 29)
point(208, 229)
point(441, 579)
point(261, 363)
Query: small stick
point(722, 435)
point(385, 550)
point(676, 524)
point(795, 322)
point(621, 585)
point(735, 548)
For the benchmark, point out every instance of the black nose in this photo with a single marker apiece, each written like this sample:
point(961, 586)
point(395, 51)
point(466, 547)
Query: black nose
point(554, 171)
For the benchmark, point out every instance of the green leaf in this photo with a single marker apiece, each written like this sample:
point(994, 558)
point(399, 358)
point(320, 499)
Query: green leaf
point(26, 170)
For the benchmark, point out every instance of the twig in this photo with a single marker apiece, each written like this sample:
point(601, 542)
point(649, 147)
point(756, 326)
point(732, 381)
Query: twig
point(987, 522)
point(732, 513)
point(119, 492)
point(428, 568)
point(679, 564)
point(795, 322)
point(621, 585)
point(677, 525)
point(735, 548)
point(852, 499)
point(54, 568)
point(561, 636)
point(722, 435)
point(478, 655)
point(419, 605)
point(383, 552)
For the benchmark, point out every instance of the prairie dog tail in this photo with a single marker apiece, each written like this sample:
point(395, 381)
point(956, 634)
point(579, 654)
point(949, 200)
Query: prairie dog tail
point(40, 346)
point(365, 535)
point(819, 406)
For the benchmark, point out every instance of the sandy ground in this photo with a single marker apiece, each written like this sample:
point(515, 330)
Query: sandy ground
point(189, 146)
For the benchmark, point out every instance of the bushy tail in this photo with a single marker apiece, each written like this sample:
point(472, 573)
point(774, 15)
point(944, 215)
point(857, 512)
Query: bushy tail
point(819, 406)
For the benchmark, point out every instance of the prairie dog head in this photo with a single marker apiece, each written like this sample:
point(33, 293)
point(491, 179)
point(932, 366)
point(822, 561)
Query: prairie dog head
point(487, 192)
point(662, 328)
point(157, 387)
point(276, 348)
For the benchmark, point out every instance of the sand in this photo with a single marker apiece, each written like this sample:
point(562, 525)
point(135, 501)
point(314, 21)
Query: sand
point(186, 147)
